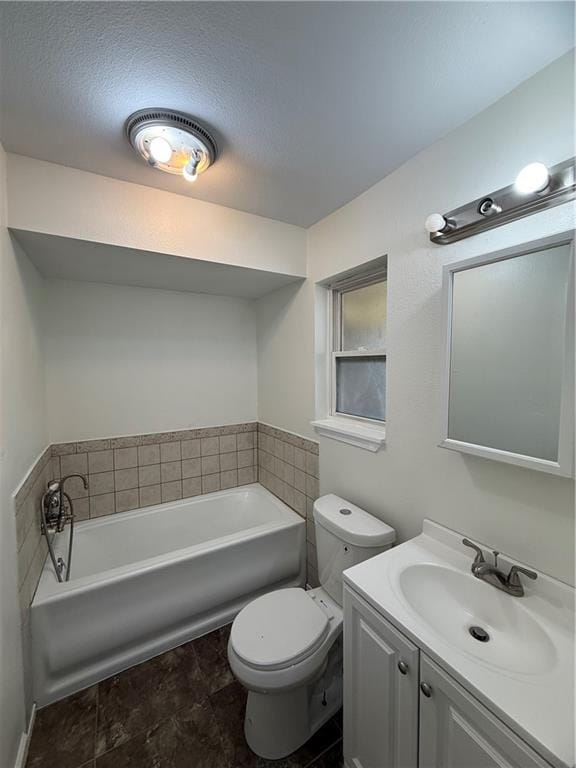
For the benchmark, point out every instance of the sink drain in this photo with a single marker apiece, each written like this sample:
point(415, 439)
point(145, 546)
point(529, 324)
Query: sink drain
point(479, 634)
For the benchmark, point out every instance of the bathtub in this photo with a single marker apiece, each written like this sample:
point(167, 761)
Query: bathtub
point(145, 581)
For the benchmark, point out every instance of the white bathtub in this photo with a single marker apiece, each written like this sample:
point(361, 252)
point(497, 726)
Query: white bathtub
point(146, 581)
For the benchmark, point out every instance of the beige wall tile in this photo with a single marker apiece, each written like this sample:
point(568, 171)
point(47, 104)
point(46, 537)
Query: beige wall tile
point(299, 459)
point(210, 465)
point(191, 467)
point(172, 491)
point(311, 531)
point(311, 487)
point(289, 453)
point(246, 475)
point(75, 488)
point(125, 479)
point(228, 479)
point(300, 480)
point(227, 443)
point(100, 461)
point(55, 467)
point(148, 454)
point(210, 483)
point(149, 475)
point(101, 482)
point(125, 458)
point(74, 462)
point(128, 499)
point(288, 473)
point(245, 440)
point(150, 495)
point(102, 505)
point(311, 460)
point(81, 509)
point(228, 461)
point(191, 486)
point(190, 449)
point(299, 502)
point(170, 452)
point(170, 471)
point(209, 446)
point(245, 458)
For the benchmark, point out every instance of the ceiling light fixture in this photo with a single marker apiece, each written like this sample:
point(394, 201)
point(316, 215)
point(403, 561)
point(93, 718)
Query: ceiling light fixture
point(171, 141)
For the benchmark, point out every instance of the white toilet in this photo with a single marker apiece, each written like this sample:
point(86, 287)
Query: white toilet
point(286, 647)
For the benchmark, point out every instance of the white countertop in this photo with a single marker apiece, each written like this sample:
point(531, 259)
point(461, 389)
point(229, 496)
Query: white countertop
point(538, 705)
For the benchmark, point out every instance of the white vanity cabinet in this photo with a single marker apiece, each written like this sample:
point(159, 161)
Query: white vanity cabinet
point(401, 710)
point(380, 690)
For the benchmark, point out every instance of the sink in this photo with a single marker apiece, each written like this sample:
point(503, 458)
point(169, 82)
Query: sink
point(452, 603)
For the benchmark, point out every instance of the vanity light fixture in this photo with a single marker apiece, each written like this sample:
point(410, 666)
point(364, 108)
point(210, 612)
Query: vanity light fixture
point(536, 188)
point(171, 141)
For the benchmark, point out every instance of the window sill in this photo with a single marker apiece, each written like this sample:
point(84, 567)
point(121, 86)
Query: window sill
point(368, 438)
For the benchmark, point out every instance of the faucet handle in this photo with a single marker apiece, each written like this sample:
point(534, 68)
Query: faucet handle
point(513, 579)
point(479, 554)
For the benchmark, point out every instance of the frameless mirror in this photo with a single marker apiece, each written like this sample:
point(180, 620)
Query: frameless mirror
point(509, 386)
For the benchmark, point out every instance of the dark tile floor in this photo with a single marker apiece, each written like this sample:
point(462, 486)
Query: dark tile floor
point(180, 710)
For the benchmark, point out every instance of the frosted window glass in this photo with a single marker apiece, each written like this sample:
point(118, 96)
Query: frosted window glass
point(361, 387)
point(364, 318)
point(507, 353)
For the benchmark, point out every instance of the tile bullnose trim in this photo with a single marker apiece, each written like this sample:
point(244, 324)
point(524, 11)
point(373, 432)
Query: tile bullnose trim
point(292, 438)
point(150, 438)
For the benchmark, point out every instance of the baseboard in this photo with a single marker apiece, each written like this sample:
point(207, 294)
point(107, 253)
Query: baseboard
point(25, 739)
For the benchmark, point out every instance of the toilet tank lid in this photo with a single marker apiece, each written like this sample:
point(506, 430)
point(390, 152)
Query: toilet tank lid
point(350, 523)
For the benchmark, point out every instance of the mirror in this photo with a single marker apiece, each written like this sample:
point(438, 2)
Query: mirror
point(509, 386)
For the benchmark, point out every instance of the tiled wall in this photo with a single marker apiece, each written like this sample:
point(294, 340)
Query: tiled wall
point(288, 467)
point(130, 472)
point(32, 548)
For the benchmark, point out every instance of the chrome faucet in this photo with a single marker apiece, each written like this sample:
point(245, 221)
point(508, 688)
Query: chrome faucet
point(491, 574)
point(57, 509)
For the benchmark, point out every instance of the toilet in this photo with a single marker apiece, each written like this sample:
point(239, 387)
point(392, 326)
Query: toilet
point(285, 647)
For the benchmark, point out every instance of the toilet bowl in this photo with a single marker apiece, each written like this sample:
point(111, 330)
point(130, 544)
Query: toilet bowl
point(285, 647)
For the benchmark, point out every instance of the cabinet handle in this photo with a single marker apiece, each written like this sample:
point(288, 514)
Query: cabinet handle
point(426, 690)
point(403, 667)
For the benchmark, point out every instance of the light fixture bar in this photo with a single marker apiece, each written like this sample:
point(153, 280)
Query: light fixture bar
point(506, 205)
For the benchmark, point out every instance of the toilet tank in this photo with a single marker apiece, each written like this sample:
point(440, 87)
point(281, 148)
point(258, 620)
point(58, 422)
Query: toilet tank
point(345, 535)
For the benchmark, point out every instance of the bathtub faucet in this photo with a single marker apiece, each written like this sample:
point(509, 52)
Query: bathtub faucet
point(55, 517)
point(56, 509)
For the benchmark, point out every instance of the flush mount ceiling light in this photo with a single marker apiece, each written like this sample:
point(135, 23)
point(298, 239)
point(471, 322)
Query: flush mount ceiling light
point(171, 141)
point(536, 188)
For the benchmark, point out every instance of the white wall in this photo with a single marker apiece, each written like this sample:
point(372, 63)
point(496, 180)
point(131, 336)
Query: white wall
point(123, 360)
point(22, 437)
point(49, 198)
point(527, 514)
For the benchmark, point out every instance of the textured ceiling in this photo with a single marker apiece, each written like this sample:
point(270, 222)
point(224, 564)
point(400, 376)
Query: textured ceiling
point(311, 103)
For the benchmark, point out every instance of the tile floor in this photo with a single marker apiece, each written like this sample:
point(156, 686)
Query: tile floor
point(180, 710)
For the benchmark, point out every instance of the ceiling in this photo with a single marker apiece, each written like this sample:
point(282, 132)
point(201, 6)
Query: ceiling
point(310, 102)
point(83, 260)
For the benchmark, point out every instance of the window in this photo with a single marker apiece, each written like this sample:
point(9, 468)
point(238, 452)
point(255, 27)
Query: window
point(358, 379)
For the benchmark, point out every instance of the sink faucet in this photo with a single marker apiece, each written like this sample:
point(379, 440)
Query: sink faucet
point(491, 574)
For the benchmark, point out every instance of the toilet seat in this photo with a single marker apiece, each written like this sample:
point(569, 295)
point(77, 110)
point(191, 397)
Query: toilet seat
point(278, 630)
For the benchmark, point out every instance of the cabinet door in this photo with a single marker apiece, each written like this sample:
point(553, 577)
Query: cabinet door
point(456, 731)
point(380, 690)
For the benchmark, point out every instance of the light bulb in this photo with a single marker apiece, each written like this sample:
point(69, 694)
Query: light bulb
point(160, 149)
point(532, 178)
point(189, 170)
point(435, 223)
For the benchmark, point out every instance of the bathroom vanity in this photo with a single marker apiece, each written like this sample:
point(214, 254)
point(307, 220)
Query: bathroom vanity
point(442, 670)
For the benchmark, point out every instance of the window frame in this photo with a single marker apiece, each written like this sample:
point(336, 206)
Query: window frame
point(337, 289)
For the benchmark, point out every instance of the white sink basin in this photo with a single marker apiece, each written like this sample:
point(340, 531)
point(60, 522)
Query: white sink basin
point(452, 602)
point(524, 673)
